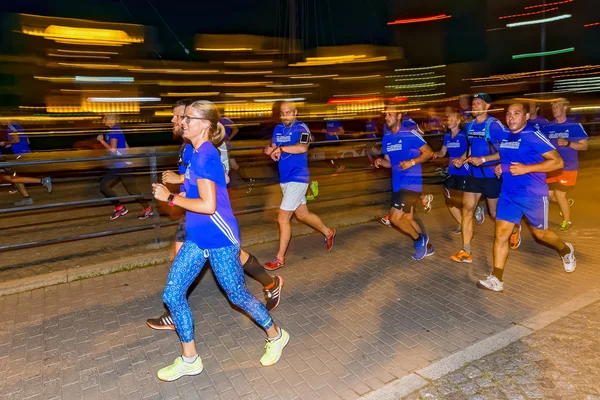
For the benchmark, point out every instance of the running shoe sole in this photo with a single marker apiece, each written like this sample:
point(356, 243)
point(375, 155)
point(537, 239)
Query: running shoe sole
point(278, 297)
point(480, 286)
point(189, 373)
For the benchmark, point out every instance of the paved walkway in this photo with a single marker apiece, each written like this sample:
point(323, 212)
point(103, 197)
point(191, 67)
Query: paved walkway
point(558, 362)
point(360, 317)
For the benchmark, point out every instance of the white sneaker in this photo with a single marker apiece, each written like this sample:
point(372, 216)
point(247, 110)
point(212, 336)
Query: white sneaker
point(491, 283)
point(569, 260)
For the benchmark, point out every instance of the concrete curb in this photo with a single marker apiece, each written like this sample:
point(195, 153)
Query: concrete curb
point(133, 262)
point(418, 379)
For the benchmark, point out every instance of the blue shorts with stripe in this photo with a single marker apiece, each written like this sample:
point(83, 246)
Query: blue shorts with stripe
point(513, 208)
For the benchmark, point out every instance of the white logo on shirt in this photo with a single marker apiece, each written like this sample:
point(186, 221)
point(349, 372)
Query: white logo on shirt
point(453, 145)
point(510, 145)
point(394, 147)
point(284, 139)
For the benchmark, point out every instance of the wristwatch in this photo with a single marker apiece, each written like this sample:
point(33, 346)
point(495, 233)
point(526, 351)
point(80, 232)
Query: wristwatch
point(171, 198)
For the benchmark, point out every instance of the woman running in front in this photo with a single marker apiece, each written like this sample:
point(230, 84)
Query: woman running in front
point(212, 234)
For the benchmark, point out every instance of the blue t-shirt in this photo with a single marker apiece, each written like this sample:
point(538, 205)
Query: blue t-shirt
point(185, 156)
point(525, 147)
point(568, 130)
point(219, 229)
point(480, 147)
point(537, 123)
point(371, 126)
point(456, 147)
point(116, 133)
point(466, 113)
point(292, 167)
point(22, 146)
point(401, 146)
point(227, 123)
point(331, 130)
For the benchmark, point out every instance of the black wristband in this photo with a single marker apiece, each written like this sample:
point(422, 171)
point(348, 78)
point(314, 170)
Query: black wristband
point(568, 143)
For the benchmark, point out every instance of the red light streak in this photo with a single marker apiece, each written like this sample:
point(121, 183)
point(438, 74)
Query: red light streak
point(415, 20)
point(530, 13)
point(550, 4)
point(592, 24)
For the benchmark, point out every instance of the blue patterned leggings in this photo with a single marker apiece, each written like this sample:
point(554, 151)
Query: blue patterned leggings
point(227, 268)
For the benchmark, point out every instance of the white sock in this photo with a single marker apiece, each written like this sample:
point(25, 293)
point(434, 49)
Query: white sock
point(277, 337)
point(190, 360)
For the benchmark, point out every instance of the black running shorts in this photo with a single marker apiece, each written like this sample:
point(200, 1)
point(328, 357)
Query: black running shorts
point(405, 200)
point(489, 187)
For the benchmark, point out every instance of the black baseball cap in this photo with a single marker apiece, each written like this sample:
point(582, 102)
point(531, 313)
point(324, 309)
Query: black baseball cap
point(483, 96)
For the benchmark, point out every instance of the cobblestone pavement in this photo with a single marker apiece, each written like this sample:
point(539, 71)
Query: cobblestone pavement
point(360, 317)
point(558, 362)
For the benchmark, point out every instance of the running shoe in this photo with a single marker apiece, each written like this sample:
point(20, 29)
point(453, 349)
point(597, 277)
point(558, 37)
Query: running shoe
point(314, 188)
point(569, 260)
point(491, 283)
point(273, 293)
point(118, 213)
point(47, 183)
point(421, 247)
point(180, 368)
point(340, 168)
point(385, 220)
point(457, 230)
point(515, 238)
point(571, 202)
point(27, 201)
point(462, 257)
point(479, 214)
point(274, 264)
point(427, 200)
point(566, 226)
point(164, 322)
point(329, 240)
point(274, 349)
point(147, 213)
point(430, 250)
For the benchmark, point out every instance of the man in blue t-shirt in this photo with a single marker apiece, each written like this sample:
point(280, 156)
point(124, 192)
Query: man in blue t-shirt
point(289, 147)
point(569, 138)
point(404, 150)
point(333, 130)
point(18, 143)
point(526, 156)
point(121, 170)
point(536, 121)
point(484, 134)
point(371, 133)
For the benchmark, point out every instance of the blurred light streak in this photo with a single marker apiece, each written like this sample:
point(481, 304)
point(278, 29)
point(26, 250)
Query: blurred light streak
point(121, 99)
point(359, 95)
point(104, 79)
point(179, 83)
point(54, 78)
point(87, 51)
point(242, 84)
point(255, 94)
point(90, 90)
point(539, 21)
point(415, 86)
point(531, 73)
point(529, 13)
point(592, 24)
point(426, 95)
point(335, 58)
point(76, 56)
point(420, 79)
point(224, 49)
point(291, 85)
point(280, 99)
point(585, 108)
point(499, 84)
point(33, 107)
point(247, 72)
point(410, 75)
point(543, 53)
point(312, 76)
point(416, 20)
point(49, 118)
point(91, 66)
point(549, 4)
point(344, 78)
point(364, 100)
point(248, 62)
point(420, 68)
point(339, 60)
point(173, 70)
point(189, 94)
point(83, 35)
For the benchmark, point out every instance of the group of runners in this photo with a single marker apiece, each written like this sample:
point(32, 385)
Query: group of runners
point(519, 170)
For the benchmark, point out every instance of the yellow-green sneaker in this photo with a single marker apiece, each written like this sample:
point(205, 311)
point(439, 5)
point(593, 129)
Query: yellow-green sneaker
point(180, 368)
point(273, 349)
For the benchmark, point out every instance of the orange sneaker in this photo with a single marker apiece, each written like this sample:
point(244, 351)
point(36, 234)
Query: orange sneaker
point(329, 240)
point(515, 239)
point(462, 257)
point(274, 264)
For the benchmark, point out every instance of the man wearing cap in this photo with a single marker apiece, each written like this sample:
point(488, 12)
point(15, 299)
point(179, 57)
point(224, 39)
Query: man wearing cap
point(484, 134)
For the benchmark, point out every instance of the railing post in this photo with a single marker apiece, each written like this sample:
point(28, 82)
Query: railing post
point(158, 244)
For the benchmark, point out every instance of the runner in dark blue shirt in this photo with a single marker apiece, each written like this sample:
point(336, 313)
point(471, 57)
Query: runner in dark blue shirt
point(120, 170)
point(404, 150)
point(526, 157)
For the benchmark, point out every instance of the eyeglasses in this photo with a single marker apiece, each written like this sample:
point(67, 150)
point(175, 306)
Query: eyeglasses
point(187, 118)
